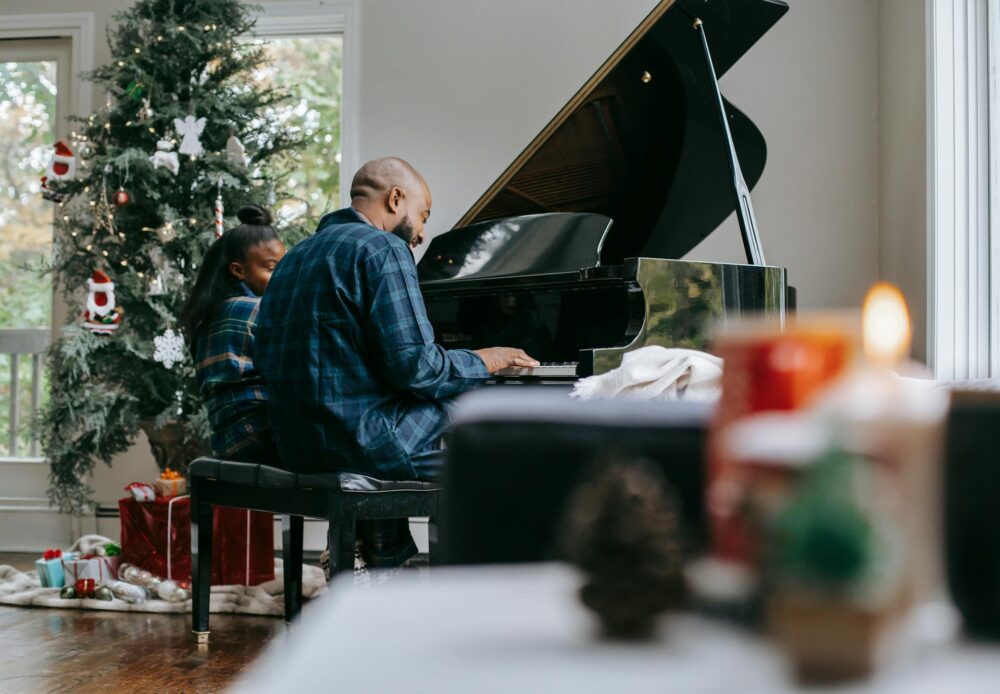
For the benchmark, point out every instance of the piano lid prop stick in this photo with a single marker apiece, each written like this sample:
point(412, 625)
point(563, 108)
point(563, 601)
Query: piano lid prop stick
point(744, 208)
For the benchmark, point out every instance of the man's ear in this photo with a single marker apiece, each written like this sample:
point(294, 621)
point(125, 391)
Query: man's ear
point(395, 198)
point(237, 271)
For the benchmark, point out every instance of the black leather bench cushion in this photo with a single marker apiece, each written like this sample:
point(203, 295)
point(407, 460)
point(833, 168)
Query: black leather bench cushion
point(275, 478)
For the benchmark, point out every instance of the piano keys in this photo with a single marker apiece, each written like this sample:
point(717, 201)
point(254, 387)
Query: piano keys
point(573, 253)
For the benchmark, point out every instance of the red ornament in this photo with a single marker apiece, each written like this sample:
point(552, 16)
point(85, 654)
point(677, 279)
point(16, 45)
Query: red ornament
point(121, 197)
point(85, 587)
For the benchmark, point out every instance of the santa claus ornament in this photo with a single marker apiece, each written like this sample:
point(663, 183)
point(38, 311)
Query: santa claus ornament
point(102, 316)
point(61, 168)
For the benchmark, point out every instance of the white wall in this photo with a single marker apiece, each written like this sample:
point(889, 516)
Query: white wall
point(460, 88)
point(902, 104)
point(811, 86)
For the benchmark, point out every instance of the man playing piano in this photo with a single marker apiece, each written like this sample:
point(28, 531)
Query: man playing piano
point(356, 382)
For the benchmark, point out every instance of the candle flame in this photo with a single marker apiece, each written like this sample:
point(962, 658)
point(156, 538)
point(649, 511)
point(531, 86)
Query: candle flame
point(885, 328)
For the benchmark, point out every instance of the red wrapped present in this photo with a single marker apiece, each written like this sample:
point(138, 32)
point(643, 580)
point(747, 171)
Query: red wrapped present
point(156, 535)
point(242, 547)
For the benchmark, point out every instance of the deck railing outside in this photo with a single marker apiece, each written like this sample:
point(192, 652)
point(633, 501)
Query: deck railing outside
point(25, 347)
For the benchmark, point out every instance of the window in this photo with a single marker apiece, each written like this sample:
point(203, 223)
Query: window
point(964, 188)
point(310, 70)
point(27, 133)
point(312, 48)
point(33, 96)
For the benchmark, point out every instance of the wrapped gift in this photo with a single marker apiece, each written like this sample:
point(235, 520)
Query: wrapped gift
point(85, 587)
point(141, 491)
point(50, 569)
point(242, 547)
point(170, 483)
point(102, 569)
point(156, 535)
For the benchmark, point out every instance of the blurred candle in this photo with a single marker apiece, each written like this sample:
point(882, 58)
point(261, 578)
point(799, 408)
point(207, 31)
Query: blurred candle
point(897, 423)
point(886, 333)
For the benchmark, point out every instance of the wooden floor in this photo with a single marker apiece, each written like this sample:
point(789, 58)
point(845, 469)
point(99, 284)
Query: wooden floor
point(84, 651)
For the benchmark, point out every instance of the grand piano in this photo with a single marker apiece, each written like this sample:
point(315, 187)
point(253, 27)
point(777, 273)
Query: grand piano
point(573, 253)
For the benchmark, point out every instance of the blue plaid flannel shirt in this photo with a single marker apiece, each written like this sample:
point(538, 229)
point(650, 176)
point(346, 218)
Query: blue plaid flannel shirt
point(233, 389)
point(356, 381)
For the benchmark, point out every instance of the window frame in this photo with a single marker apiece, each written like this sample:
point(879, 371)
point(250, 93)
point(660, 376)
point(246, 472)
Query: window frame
point(963, 185)
point(302, 18)
point(76, 26)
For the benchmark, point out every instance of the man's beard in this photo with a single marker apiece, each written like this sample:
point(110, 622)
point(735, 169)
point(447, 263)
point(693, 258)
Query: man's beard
point(405, 231)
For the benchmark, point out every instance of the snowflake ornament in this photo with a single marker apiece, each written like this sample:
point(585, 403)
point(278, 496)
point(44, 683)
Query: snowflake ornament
point(168, 348)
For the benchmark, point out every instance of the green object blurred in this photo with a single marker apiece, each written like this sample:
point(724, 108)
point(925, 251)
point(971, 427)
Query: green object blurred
point(825, 538)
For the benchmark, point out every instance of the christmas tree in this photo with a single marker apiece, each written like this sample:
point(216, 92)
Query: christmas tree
point(186, 136)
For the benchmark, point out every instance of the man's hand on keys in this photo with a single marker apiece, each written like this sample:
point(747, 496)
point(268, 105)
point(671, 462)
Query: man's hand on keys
point(497, 358)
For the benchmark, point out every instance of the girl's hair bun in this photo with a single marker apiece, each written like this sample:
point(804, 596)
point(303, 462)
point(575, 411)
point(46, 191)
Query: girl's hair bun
point(254, 215)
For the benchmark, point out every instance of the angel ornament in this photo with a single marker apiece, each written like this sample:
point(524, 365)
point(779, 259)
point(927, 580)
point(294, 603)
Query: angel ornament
point(166, 158)
point(190, 129)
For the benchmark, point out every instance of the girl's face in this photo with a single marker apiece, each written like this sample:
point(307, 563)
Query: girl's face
point(255, 271)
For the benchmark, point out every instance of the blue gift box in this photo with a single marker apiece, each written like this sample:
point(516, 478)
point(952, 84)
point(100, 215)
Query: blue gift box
point(50, 571)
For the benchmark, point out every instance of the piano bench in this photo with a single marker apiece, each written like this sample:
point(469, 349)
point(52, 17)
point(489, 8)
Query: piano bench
point(341, 498)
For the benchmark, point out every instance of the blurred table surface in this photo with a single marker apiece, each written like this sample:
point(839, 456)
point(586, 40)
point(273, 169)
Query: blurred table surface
point(521, 629)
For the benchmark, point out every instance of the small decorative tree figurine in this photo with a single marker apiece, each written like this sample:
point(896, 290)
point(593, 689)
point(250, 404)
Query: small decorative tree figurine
point(835, 574)
point(623, 531)
point(153, 177)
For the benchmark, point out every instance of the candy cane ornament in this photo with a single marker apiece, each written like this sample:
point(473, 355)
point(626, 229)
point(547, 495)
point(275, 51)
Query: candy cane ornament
point(219, 209)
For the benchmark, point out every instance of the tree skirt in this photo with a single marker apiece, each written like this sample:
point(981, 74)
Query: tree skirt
point(23, 588)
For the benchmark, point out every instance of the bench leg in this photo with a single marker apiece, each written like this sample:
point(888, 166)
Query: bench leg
point(434, 548)
point(201, 556)
point(341, 535)
point(291, 546)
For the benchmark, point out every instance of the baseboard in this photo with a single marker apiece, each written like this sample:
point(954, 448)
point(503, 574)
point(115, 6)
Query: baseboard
point(32, 527)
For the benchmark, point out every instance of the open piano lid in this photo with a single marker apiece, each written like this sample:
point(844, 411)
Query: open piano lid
point(640, 142)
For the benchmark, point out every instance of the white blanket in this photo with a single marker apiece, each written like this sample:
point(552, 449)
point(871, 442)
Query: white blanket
point(658, 373)
point(23, 588)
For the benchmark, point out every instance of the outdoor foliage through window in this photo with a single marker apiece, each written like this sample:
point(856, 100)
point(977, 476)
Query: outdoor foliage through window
point(27, 126)
point(27, 121)
point(309, 68)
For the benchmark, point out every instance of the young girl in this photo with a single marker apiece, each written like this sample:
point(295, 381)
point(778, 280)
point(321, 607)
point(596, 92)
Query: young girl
point(219, 321)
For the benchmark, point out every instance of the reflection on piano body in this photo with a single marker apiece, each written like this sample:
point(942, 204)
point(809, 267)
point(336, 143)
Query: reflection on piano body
point(571, 253)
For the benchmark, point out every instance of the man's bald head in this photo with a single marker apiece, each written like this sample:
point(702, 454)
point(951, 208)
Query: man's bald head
point(393, 196)
point(377, 176)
